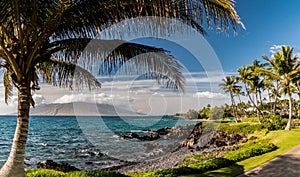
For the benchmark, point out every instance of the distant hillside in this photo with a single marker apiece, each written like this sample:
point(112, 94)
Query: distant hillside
point(78, 108)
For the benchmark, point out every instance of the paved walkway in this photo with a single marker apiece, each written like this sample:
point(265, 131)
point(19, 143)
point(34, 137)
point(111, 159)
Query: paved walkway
point(286, 165)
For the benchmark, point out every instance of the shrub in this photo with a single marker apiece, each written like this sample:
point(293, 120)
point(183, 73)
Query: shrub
point(52, 173)
point(211, 164)
point(242, 128)
point(191, 114)
point(216, 113)
point(274, 122)
point(44, 173)
point(250, 119)
point(250, 149)
point(172, 172)
point(94, 174)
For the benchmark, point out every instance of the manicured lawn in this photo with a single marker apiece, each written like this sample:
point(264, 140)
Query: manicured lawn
point(285, 140)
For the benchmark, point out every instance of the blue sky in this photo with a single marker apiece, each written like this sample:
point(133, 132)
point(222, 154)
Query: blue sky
point(268, 23)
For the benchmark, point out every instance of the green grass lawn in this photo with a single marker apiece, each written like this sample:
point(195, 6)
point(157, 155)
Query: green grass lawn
point(285, 140)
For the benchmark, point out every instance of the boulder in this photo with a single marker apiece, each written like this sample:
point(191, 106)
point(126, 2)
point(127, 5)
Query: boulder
point(211, 139)
point(141, 138)
point(50, 164)
point(162, 131)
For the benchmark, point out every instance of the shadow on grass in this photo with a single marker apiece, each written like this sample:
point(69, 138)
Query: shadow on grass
point(230, 171)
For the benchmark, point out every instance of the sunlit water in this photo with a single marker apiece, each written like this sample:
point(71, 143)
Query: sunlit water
point(81, 141)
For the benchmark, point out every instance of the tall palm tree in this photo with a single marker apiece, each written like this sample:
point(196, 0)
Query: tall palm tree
point(47, 37)
point(238, 92)
point(296, 81)
point(284, 67)
point(250, 81)
point(229, 86)
point(268, 86)
point(257, 83)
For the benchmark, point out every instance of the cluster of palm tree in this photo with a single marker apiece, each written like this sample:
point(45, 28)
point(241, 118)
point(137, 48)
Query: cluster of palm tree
point(265, 84)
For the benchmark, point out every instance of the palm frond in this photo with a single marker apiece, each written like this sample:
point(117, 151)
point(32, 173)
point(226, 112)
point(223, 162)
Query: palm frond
point(8, 87)
point(71, 49)
point(32, 32)
point(105, 56)
point(138, 59)
point(91, 16)
point(66, 74)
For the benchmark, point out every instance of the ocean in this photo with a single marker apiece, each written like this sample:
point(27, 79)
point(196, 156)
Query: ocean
point(88, 142)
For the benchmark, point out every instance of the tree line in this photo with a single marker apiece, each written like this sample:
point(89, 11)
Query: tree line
point(266, 85)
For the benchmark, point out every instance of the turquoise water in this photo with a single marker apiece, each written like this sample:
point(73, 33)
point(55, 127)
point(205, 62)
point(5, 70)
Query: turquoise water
point(85, 142)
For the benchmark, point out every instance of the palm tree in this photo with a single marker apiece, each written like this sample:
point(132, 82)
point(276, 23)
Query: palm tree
point(284, 67)
point(257, 84)
point(268, 86)
point(229, 86)
point(247, 78)
point(274, 94)
point(296, 81)
point(47, 37)
point(238, 92)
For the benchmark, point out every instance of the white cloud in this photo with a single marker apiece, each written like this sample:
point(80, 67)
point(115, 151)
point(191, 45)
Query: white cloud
point(209, 95)
point(144, 96)
point(11, 107)
point(275, 48)
point(84, 97)
point(38, 99)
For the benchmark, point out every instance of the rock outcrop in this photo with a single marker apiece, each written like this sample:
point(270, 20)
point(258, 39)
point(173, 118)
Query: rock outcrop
point(50, 164)
point(141, 138)
point(211, 139)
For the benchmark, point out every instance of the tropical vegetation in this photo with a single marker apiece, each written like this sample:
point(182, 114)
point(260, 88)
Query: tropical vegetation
point(270, 87)
point(265, 93)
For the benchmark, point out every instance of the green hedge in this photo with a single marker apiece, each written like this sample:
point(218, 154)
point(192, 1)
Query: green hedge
point(243, 128)
point(52, 173)
point(172, 172)
point(250, 119)
point(249, 150)
point(44, 173)
point(256, 149)
point(274, 122)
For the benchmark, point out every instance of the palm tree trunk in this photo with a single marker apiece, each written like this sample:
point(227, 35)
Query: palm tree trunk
point(270, 101)
point(261, 100)
point(240, 102)
point(298, 104)
point(276, 97)
point(257, 109)
point(251, 100)
point(288, 126)
point(14, 166)
point(233, 107)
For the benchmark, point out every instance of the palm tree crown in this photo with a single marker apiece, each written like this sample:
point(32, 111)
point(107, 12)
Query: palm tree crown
point(230, 86)
point(284, 67)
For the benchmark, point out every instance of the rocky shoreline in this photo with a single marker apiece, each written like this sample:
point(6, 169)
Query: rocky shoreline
point(218, 143)
point(198, 141)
